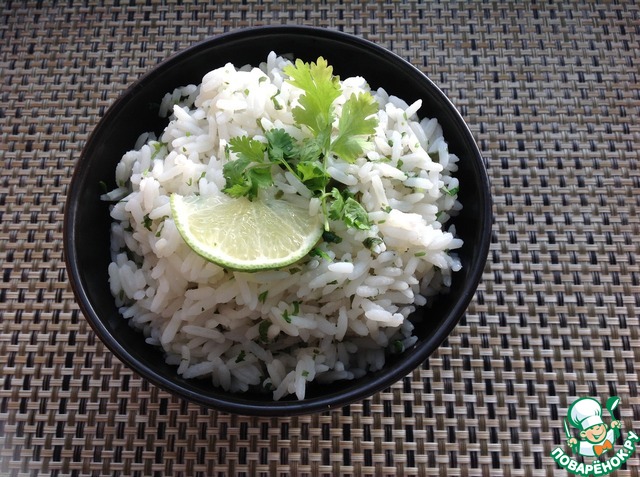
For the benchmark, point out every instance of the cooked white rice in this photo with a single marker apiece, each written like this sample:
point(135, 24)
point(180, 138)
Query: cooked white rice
point(228, 326)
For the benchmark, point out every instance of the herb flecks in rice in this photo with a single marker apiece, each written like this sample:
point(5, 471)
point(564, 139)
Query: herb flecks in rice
point(336, 313)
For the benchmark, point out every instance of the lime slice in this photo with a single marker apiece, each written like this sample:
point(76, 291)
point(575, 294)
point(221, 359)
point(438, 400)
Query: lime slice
point(245, 235)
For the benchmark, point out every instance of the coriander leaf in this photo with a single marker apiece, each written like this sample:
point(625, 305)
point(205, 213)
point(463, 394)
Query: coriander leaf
point(263, 330)
point(286, 317)
point(355, 122)
point(329, 237)
point(354, 215)
point(237, 183)
point(241, 356)
point(280, 146)
point(337, 205)
point(397, 347)
point(313, 175)
point(371, 242)
point(320, 88)
point(453, 191)
point(344, 207)
point(247, 174)
point(147, 222)
point(316, 252)
point(310, 149)
point(247, 148)
point(262, 297)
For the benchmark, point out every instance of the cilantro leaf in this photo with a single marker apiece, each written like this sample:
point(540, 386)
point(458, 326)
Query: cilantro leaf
point(329, 237)
point(320, 88)
point(281, 146)
point(247, 148)
point(263, 331)
point(344, 207)
point(317, 252)
point(371, 242)
point(355, 123)
point(354, 215)
point(337, 205)
point(247, 174)
point(453, 191)
point(310, 149)
point(313, 175)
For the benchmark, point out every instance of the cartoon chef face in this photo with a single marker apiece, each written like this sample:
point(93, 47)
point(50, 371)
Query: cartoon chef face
point(595, 433)
point(586, 415)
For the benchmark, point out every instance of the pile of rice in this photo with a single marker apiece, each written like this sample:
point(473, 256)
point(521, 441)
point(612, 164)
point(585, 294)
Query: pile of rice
point(345, 314)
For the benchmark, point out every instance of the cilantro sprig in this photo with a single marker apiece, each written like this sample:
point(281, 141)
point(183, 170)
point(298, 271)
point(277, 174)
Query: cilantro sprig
point(307, 160)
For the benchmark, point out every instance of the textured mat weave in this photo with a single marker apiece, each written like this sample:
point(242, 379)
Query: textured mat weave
point(552, 94)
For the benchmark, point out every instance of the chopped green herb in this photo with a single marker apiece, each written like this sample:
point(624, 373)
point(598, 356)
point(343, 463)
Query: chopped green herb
point(147, 222)
point(316, 252)
point(286, 317)
point(371, 242)
point(419, 254)
point(329, 237)
point(263, 330)
point(241, 357)
point(262, 297)
point(400, 163)
point(159, 230)
point(296, 307)
point(387, 209)
point(276, 104)
point(355, 215)
point(190, 181)
point(157, 147)
point(344, 207)
point(305, 373)
point(451, 192)
point(398, 346)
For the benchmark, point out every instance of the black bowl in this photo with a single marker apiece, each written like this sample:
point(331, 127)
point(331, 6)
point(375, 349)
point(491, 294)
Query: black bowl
point(87, 221)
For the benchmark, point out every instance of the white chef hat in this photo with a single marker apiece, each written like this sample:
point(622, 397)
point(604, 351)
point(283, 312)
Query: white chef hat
point(585, 413)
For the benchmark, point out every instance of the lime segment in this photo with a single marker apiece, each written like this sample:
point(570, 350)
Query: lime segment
point(245, 235)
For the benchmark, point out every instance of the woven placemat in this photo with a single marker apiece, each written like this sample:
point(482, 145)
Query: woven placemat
point(552, 94)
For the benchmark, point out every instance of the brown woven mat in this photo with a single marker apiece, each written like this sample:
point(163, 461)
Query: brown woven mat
point(552, 93)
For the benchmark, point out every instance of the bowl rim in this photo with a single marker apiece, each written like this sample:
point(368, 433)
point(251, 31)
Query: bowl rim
point(236, 403)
